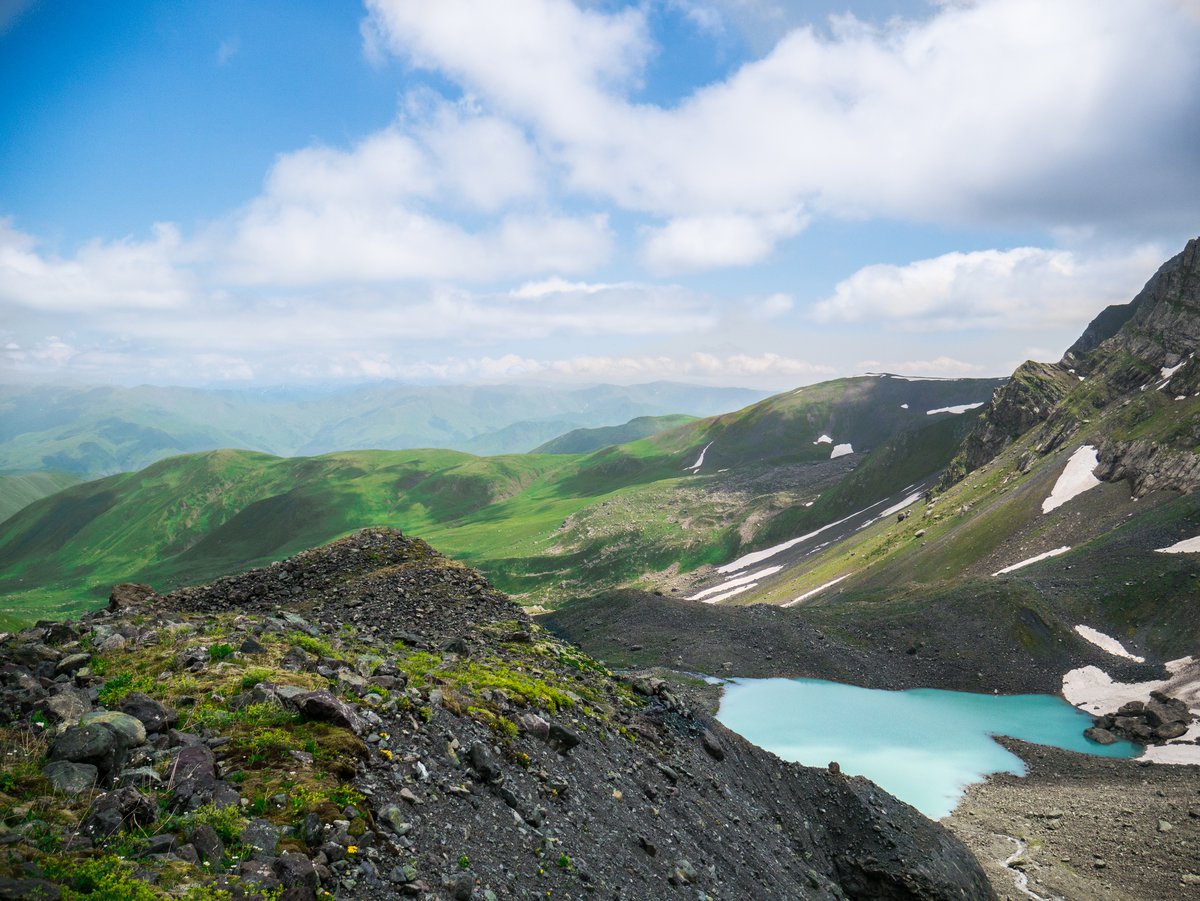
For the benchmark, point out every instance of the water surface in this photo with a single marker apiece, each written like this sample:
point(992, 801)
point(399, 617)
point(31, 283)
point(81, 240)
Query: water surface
point(924, 746)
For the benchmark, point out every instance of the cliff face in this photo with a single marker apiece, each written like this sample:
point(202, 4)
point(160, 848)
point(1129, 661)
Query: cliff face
point(1147, 344)
point(372, 719)
point(1027, 400)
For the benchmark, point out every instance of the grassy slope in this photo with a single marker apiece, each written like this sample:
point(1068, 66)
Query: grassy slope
point(586, 441)
point(17, 491)
point(539, 524)
point(1111, 578)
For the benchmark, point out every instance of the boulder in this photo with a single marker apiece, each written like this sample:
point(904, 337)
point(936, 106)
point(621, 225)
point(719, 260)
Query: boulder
point(94, 744)
point(65, 707)
point(1099, 735)
point(261, 838)
point(131, 730)
point(129, 594)
point(153, 715)
point(124, 808)
point(71, 778)
point(562, 739)
point(485, 762)
point(323, 707)
point(208, 844)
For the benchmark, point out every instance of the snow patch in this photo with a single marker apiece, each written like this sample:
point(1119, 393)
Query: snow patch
point(728, 594)
point(896, 508)
point(1076, 478)
point(1187, 546)
point(1039, 557)
point(758, 556)
point(824, 439)
point(904, 406)
point(817, 590)
point(841, 450)
point(956, 409)
point(1094, 691)
point(734, 582)
point(695, 467)
point(1107, 643)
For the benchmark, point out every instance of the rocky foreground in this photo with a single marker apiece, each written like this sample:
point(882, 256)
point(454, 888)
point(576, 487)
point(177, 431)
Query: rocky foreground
point(1077, 826)
point(370, 719)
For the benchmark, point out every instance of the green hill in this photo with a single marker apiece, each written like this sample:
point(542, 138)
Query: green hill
point(17, 491)
point(585, 441)
point(543, 526)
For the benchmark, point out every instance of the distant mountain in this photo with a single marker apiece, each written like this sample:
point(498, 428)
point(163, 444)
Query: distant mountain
point(584, 441)
point(542, 525)
point(17, 491)
point(92, 432)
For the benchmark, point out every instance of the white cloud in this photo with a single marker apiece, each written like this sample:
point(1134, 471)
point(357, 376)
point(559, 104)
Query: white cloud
point(993, 110)
point(113, 275)
point(364, 214)
point(693, 243)
point(1024, 288)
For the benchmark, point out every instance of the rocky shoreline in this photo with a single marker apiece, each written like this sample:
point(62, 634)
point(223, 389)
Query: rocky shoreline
point(1099, 828)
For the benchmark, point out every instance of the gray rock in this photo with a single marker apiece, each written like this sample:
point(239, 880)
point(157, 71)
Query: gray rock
point(114, 642)
point(131, 730)
point(461, 885)
point(323, 707)
point(259, 874)
point(262, 838)
point(1099, 735)
point(140, 777)
point(28, 890)
point(153, 715)
point(125, 808)
point(712, 745)
point(534, 725)
point(94, 744)
point(70, 664)
point(129, 594)
point(65, 707)
point(71, 778)
point(485, 762)
point(208, 844)
point(395, 819)
point(562, 739)
point(296, 871)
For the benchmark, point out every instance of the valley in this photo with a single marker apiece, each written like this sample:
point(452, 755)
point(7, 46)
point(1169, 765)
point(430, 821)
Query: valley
point(1030, 535)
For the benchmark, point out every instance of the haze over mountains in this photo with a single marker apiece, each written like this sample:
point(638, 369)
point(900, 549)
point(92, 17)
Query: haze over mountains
point(95, 431)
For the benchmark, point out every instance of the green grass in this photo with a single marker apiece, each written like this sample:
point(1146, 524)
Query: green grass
point(540, 525)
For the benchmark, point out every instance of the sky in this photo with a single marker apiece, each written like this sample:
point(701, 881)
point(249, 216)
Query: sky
point(764, 193)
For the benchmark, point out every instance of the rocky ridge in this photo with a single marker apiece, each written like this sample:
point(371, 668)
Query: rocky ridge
point(370, 719)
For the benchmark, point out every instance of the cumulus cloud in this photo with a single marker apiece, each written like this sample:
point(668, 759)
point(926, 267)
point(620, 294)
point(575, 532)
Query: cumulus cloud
point(693, 243)
point(941, 367)
point(1023, 288)
point(100, 275)
point(387, 209)
point(1011, 110)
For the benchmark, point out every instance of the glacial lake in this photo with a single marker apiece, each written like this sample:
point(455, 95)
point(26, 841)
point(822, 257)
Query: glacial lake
point(924, 746)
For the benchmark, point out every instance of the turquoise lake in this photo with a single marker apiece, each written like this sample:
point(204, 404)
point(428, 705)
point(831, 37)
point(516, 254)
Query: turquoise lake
point(924, 746)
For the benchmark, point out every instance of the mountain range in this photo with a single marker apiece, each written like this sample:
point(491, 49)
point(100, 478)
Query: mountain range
point(97, 431)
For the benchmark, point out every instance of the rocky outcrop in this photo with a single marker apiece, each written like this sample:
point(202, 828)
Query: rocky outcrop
point(1148, 466)
point(1026, 401)
point(1163, 321)
point(374, 720)
point(1156, 721)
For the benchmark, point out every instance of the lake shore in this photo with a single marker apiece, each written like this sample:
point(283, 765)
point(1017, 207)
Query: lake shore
point(1092, 827)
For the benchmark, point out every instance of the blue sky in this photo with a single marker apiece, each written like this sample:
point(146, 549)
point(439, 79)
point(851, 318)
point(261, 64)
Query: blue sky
point(728, 191)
